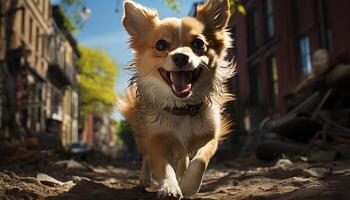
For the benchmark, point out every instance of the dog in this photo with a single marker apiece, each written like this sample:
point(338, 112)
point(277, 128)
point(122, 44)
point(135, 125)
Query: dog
point(174, 103)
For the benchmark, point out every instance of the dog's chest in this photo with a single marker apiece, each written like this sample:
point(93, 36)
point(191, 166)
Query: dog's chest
point(185, 128)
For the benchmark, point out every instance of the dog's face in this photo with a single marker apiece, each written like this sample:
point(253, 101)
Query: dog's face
point(177, 60)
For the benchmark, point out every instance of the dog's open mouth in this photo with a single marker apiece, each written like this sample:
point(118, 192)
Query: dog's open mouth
point(181, 82)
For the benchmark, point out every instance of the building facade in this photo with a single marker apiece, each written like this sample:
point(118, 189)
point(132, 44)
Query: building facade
point(24, 26)
point(273, 46)
point(38, 77)
point(63, 76)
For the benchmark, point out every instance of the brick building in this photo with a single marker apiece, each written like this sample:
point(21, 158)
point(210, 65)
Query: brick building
point(38, 72)
point(273, 46)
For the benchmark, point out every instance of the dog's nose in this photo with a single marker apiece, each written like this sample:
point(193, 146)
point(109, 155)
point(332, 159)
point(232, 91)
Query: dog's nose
point(180, 59)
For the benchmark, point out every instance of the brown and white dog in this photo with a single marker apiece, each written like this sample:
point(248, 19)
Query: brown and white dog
point(175, 100)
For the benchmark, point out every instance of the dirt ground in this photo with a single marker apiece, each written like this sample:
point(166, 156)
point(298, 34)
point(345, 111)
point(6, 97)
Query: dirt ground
point(239, 180)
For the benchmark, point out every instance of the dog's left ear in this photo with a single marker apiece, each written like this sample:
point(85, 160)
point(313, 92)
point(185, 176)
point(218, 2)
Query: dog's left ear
point(214, 13)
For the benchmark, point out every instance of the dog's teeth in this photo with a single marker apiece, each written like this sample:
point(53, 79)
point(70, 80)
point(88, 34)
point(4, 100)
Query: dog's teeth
point(168, 75)
point(172, 76)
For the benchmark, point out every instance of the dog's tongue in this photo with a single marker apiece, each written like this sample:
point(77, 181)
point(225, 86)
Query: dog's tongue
point(181, 82)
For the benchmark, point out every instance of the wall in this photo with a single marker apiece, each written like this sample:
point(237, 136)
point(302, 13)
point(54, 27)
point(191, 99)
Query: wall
point(291, 23)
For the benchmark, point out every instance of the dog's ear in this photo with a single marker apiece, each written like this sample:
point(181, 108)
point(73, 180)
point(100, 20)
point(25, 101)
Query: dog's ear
point(214, 13)
point(137, 18)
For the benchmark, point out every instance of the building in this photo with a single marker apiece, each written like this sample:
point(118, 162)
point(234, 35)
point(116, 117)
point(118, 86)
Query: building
point(99, 131)
point(38, 72)
point(63, 79)
point(24, 27)
point(273, 46)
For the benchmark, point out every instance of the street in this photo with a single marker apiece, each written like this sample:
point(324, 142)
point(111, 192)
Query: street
point(52, 178)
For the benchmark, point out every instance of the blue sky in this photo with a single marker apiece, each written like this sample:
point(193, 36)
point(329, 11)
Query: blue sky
point(104, 30)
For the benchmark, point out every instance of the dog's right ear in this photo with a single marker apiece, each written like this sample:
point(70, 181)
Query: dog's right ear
point(137, 19)
point(214, 13)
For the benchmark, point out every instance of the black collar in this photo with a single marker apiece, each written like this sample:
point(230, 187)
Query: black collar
point(191, 110)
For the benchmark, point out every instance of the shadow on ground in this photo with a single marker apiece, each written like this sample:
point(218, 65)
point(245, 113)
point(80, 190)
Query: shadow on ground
point(88, 190)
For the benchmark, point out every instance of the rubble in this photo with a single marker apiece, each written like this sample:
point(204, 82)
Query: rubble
point(72, 164)
point(119, 180)
point(25, 152)
point(323, 156)
point(318, 117)
point(48, 180)
point(319, 172)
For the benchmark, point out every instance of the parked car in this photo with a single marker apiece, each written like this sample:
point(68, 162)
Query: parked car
point(79, 150)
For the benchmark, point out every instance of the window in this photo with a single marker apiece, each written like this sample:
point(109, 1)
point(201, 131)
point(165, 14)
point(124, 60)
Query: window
point(252, 30)
point(256, 95)
point(305, 55)
point(43, 45)
point(30, 30)
point(300, 10)
point(270, 27)
point(37, 42)
point(23, 22)
point(273, 80)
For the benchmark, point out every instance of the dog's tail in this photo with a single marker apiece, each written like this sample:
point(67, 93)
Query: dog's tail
point(226, 126)
point(127, 105)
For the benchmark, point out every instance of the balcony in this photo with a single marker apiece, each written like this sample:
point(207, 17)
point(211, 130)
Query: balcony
point(61, 72)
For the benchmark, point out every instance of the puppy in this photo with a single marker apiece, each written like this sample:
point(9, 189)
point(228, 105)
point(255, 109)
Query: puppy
point(175, 99)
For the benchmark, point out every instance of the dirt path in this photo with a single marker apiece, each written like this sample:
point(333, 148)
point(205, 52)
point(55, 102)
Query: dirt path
point(118, 180)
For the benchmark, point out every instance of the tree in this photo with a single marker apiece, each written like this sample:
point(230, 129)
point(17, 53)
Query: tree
point(172, 4)
point(97, 72)
point(238, 6)
point(124, 133)
point(72, 10)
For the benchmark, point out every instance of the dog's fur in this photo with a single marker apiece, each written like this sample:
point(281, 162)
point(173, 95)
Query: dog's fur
point(176, 149)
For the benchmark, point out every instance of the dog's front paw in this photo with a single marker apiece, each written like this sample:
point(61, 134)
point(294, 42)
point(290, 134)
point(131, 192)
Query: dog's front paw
point(169, 191)
point(145, 180)
point(190, 183)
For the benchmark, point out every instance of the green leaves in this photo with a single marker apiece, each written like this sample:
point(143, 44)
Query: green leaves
point(72, 10)
point(241, 9)
point(173, 4)
point(124, 133)
point(96, 80)
point(237, 6)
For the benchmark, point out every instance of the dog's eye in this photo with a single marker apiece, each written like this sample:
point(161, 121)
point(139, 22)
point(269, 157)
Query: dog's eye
point(161, 45)
point(198, 44)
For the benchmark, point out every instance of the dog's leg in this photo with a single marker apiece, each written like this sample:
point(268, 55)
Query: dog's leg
point(145, 176)
point(182, 166)
point(190, 183)
point(162, 170)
